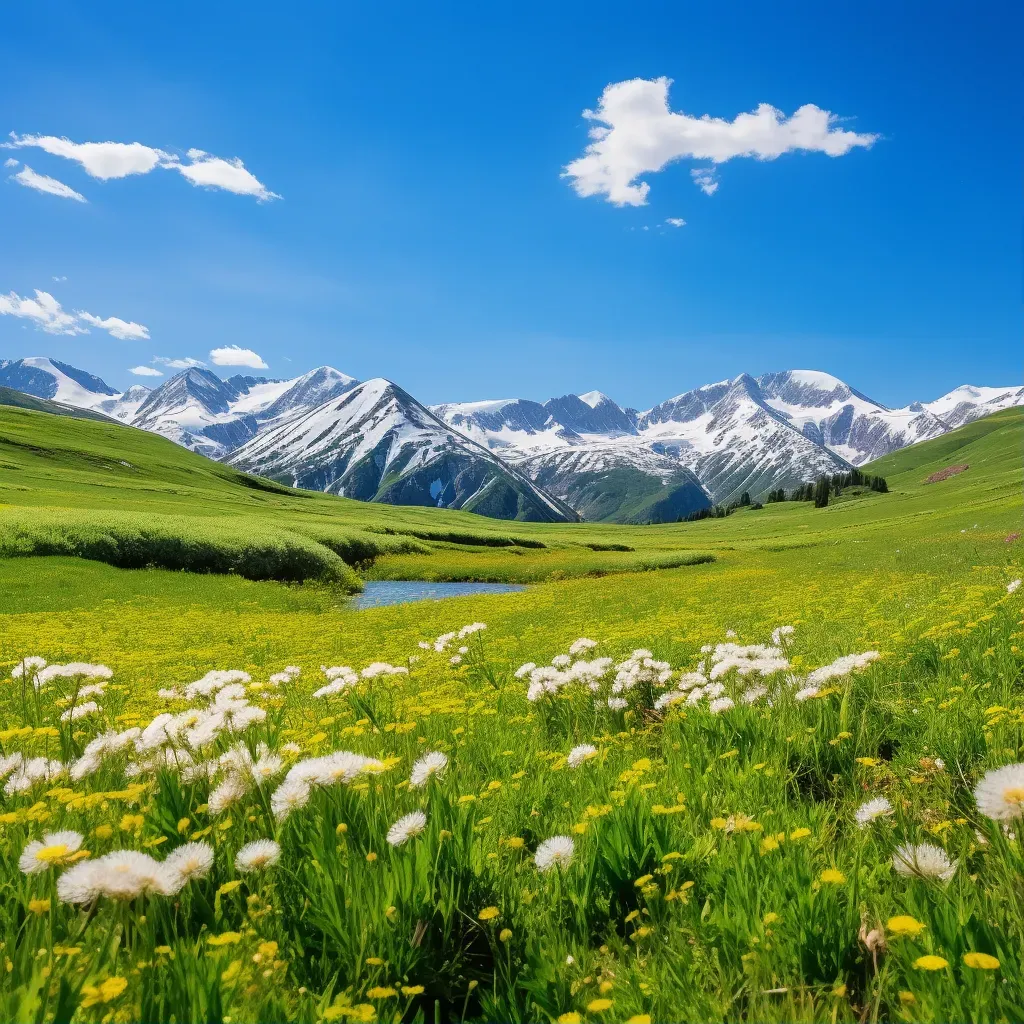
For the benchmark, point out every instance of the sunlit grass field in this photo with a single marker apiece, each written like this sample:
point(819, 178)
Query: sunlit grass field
point(707, 860)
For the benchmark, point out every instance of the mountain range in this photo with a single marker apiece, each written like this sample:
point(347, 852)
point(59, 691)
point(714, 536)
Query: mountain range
point(577, 456)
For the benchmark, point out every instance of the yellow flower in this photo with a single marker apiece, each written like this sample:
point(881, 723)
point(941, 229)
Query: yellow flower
point(642, 881)
point(234, 969)
point(375, 960)
point(515, 842)
point(839, 990)
point(412, 990)
point(224, 939)
point(907, 998)
point(981, 961)
point(488, 913)
point(599, 1005)
point(505, 934)
point(670, 856)
point(770, 918)
point(105, 992)
point(570, 1018)
point(605, 987)
point(183, 825)
point(131, 822)
point(381, 992)
point(768, 845)
point(832, 877)
point(868, 762)
point(371, 856)
point(903, 924)
point(639, 1018)
point(267, 949)
point(363, 1013)
point(930, 963)
point(718, 823)
point(341, 829)
point(229, 887)
point(799, 833)
point(39, 906)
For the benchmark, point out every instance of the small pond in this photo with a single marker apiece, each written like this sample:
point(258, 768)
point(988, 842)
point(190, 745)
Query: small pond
point(377, 593)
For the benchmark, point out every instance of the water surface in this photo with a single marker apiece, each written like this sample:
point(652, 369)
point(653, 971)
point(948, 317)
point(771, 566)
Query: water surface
point(377, 593)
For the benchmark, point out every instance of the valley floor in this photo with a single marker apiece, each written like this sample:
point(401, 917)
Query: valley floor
point(565, 861)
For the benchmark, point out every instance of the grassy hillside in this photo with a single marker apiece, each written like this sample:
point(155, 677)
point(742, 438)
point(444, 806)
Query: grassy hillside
point(718, 869)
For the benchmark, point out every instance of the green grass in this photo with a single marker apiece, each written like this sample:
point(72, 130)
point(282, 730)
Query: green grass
point(761, 934)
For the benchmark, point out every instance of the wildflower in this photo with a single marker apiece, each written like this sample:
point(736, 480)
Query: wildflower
point(599, 1005)
point(406, 828)
point(639, 1018)
point(488, 913)
point(413, 990)
point(720, 704)
point(291, 795)
point(556, 852)
point(572, 1017)
point(39, 906)
point(904, 925)
point(121, 875)
point(505, 934)
point(224, 939)
point(924, 861)
point(1011, 588)
point(429, 765)
point(872, 810)
point(581, 753)
point(798, 834)
point(55, 848)
point(830, 876)
point(107, 991)
point(89, 707)
point(263, 853)
point(381, 992)
point(1000, 793)
point(190, 861)
point(930, 963)
point(981, 961)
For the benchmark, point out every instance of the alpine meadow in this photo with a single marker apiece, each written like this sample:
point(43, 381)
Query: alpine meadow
point(511, 514)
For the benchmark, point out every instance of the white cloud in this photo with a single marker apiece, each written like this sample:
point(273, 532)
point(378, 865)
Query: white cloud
point(10, 162)
point(635, 133)
point(213, 172)
point(123, 330)
point(704, 179)
point(103, 160)
point(145, 371)
point(48, 315)
point(676, 222)
point(178, 364)
point(107, 160)
point(232, 355)
point(44, 311)
point(42, 183)
point(59, 279)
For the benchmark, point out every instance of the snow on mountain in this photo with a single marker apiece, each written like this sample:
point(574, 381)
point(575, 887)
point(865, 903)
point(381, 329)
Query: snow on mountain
point(59, 382)
point(967, 403)
point(377, 443)
point(843, 420)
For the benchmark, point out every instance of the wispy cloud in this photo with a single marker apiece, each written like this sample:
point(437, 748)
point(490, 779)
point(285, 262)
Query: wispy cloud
point(43, 183)
point(145, 371)
point(49, 315)
point(44, 311)
point(635, 132)
point(704, 178)
point(123, 330)
point(675, 222)
point(109, 160)
point(185, 363)
point(233, 355)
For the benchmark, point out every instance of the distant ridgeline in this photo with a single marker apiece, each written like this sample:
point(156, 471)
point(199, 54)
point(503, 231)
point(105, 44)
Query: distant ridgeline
point(819, 492)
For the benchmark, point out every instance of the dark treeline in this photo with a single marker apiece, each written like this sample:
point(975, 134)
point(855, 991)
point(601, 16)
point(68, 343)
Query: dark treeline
point(818, 491)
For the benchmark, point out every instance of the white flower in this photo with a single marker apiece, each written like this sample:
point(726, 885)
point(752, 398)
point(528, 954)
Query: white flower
point(407, 827)
point(214, 680)
point(382, 668)
point(720, 704)
point(27, 666)
point(263, 853)
point(806, 693)
point(556, 852)
point(923, 861)
point(73, 670)
point(579, 754)
point(473, 627)
point(1012, 586)
point(429, 765)
point(581, 645)
point(617, 703)
point(121, 875)
point(291, 795)
point(668, 699)
point(1000, 793)
point(561, 661)
point(89, 707)
point(753, 695)
point(190, 861)
point(779, 633)
point(55, 848)
point(873, 809)
point(525, 670)
point(228, 793)
point(455, 659)
point(695, 696)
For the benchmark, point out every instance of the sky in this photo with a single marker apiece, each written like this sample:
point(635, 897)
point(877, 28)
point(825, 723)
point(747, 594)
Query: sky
point(521, 200)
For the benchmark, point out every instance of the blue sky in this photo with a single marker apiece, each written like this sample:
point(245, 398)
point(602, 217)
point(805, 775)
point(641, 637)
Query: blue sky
point(425, 231)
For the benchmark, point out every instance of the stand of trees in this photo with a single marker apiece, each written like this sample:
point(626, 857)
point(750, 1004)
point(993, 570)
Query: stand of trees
point(820, 491)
